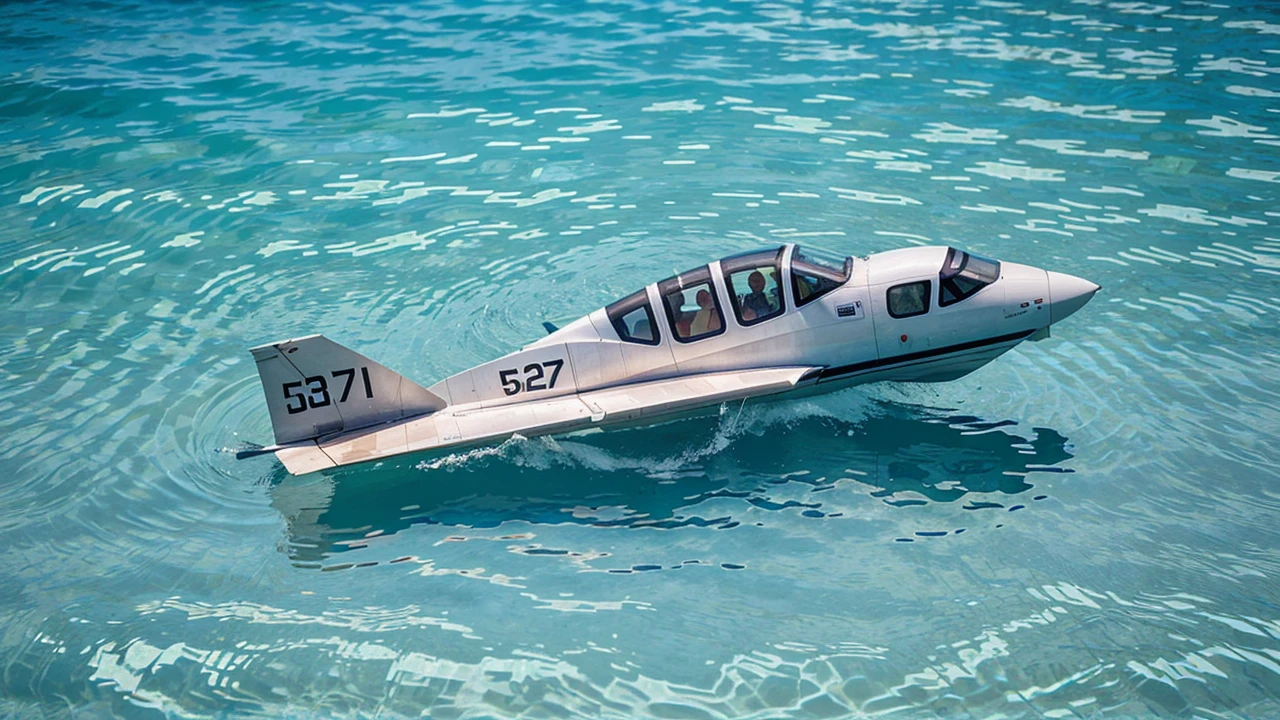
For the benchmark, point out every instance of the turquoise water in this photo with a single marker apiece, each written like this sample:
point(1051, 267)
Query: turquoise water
point(1085, 528)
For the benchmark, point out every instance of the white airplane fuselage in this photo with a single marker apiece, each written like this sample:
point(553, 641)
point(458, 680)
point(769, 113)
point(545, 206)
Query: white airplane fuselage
point(781, 320)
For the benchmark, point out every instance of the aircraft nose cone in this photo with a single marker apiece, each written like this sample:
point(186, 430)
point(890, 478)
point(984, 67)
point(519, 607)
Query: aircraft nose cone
point(1067, 294)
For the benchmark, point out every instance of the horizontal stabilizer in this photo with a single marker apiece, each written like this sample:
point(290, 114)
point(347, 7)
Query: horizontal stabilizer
point(315, 387)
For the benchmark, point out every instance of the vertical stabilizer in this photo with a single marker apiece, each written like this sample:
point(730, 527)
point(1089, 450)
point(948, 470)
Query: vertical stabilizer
point(315, 387)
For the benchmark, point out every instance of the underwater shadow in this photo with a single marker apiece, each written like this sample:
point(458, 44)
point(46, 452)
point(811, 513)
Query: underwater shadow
point(668, 476)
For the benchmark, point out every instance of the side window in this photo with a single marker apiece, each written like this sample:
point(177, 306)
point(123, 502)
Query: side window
point(910, 299)
point(752, 279)
point(692, 308)
point(632, 317)
point(815, 273)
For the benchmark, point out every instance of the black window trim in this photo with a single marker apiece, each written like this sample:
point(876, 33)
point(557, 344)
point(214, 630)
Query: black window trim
point(928, 294)
point(619, 309)
point(795, 288)
point(737, 263)
point(681, 282)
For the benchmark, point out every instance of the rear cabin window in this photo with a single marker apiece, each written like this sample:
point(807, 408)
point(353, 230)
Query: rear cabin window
point(632, 318)
point(910, 299)
point(815, 273)
point(691, 305)
point(963, 275)
point(754, 291)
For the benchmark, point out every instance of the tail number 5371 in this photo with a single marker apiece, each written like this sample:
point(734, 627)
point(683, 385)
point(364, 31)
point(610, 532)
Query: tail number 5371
point(534, 377)
point(313, 392)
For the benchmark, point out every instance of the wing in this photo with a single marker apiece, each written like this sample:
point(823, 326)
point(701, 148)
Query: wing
point(647, 401)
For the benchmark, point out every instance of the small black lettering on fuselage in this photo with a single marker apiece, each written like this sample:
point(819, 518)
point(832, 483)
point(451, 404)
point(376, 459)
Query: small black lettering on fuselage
point(534, 378)
point(313, 392)
point(853, 309)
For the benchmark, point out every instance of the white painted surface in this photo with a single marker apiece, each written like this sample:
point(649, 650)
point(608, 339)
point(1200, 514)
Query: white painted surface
point(603, 380)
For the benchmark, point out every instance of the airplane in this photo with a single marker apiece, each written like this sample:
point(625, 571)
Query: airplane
point(786, 320)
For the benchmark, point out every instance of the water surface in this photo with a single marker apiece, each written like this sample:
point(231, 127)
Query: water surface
point(1084, 528)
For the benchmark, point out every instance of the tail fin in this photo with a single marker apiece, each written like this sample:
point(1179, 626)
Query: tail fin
point(315, 387)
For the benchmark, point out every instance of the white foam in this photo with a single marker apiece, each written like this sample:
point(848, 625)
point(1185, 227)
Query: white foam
point(675, 106)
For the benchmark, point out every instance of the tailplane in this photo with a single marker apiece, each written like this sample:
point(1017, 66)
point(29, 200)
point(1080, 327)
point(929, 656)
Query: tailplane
point(314, 387)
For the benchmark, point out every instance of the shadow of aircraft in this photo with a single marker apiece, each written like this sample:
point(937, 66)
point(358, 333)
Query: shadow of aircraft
point(664, 476)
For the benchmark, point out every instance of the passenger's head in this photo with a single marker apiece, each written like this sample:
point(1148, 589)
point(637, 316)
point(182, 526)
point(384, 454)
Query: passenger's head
point(756, 281)
point(704, 299)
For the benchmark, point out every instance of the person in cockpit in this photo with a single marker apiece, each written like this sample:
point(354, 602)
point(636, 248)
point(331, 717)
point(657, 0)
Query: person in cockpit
point(706, 321)
point(757, 304)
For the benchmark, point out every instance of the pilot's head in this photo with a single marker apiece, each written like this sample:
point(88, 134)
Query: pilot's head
point(704, 299)
point(756, 281)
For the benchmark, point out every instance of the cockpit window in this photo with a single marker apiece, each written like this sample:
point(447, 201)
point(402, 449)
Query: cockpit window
point(963, 275)
point(752, 279)
point(692, 308)
point(815, 273)
point(632, 317)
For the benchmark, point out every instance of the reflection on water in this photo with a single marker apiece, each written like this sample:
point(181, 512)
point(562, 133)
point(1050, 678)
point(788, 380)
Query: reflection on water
point(903, 455)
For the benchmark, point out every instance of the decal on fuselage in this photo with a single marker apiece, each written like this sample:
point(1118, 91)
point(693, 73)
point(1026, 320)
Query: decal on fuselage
point(1023, 308)
point(852, 310)
point(534, 377)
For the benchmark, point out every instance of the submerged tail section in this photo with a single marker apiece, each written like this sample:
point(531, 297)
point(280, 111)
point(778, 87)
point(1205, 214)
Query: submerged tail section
point(315, 387)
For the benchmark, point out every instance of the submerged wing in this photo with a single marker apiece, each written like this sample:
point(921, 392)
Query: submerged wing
point(472, 425)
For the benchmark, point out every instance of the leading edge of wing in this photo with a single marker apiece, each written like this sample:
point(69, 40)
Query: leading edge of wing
point(463, 425)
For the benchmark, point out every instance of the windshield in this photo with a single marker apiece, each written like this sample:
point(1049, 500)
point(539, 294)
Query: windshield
point(963, 275)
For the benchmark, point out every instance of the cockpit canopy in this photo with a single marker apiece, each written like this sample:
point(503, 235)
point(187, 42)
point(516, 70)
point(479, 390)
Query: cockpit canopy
point(816, 272)
point(632, 319)
point(963, 275)
point(753, 282)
